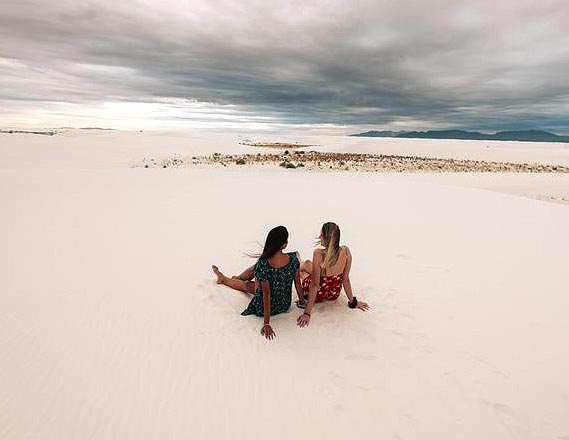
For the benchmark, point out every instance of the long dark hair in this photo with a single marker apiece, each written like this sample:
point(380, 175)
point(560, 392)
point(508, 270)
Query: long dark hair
point(274, 242)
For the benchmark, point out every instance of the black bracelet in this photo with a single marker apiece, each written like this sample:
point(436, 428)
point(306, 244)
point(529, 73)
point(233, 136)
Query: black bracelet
point(353, 303)
point(307, 314)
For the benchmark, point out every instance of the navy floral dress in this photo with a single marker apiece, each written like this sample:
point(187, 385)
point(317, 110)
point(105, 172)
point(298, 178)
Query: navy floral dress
point(280, 281)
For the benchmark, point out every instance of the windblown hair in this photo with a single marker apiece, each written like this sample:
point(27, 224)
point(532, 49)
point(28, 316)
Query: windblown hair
point(274, 242)
point(331, 242)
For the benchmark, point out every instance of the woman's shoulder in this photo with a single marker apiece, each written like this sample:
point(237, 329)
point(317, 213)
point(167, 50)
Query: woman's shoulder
point(318, 252)
point(294, 256)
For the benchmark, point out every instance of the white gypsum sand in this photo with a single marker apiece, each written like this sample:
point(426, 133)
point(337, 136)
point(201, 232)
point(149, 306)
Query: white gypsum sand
point(111, 325)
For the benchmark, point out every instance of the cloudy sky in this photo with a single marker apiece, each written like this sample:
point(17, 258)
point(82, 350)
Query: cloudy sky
point(475, 64)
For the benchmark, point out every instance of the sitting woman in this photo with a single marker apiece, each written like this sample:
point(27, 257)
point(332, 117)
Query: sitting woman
point(274, 273)
point(331, 270)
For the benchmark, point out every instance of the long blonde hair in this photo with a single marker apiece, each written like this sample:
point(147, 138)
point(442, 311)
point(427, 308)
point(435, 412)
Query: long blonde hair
point(330, 240)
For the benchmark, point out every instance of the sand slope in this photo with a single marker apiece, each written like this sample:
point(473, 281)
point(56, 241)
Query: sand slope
point(111, 326)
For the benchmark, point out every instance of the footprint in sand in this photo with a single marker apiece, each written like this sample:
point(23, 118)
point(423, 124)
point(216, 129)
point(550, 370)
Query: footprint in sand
point(503, 411)
point(404, 257)
point(441, 268)
point(426, 269)
point(422, 343)
point(327, 392)
point(509, 420)
point(386, 299)
point(368, 291)
point(216, 296)
point(494, 370)
point(332, 388)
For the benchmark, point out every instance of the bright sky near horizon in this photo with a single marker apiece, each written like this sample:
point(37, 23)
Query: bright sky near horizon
point(330, 65)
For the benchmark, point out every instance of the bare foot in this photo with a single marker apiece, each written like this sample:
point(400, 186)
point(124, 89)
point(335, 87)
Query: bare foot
point(217, 272)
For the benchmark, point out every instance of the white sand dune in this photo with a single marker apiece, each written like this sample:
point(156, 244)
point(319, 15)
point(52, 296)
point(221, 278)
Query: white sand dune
point(111, 326)
point(96, 149)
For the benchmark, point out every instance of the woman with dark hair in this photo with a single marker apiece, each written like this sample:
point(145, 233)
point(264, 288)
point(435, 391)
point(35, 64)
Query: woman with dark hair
point(274, 273)
point(331, 269)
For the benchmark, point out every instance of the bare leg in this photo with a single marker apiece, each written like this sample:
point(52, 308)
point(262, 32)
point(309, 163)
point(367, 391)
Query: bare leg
point(246, 275)
point(234, 283)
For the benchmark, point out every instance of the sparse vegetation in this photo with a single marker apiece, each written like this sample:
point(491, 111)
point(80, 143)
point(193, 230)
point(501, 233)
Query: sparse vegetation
point(357, 162)
point(284, 145)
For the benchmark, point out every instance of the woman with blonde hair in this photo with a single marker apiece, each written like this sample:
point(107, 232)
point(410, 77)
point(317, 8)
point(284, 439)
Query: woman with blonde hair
point(330, 267)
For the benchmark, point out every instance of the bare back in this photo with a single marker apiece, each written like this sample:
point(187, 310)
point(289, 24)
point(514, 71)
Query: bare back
point(339, 266)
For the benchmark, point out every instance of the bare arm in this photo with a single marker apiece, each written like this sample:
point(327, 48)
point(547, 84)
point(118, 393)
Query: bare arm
point(267, 331)
point(304, 319)
point(297, 283)
point(348, 285)
point(317, 261)
point(346, 277)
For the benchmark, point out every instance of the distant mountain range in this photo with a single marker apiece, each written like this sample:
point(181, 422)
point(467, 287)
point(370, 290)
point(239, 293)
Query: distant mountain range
point(521, 135)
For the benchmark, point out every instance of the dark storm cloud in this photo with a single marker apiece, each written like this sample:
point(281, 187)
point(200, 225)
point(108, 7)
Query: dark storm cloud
point(484, 64)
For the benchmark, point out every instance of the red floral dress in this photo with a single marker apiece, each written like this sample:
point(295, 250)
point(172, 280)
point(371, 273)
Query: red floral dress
point(329, 288)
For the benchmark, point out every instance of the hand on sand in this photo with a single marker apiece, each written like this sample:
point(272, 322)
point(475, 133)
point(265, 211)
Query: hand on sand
point(267, 332)
point(303, 320)
point(363, 306)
